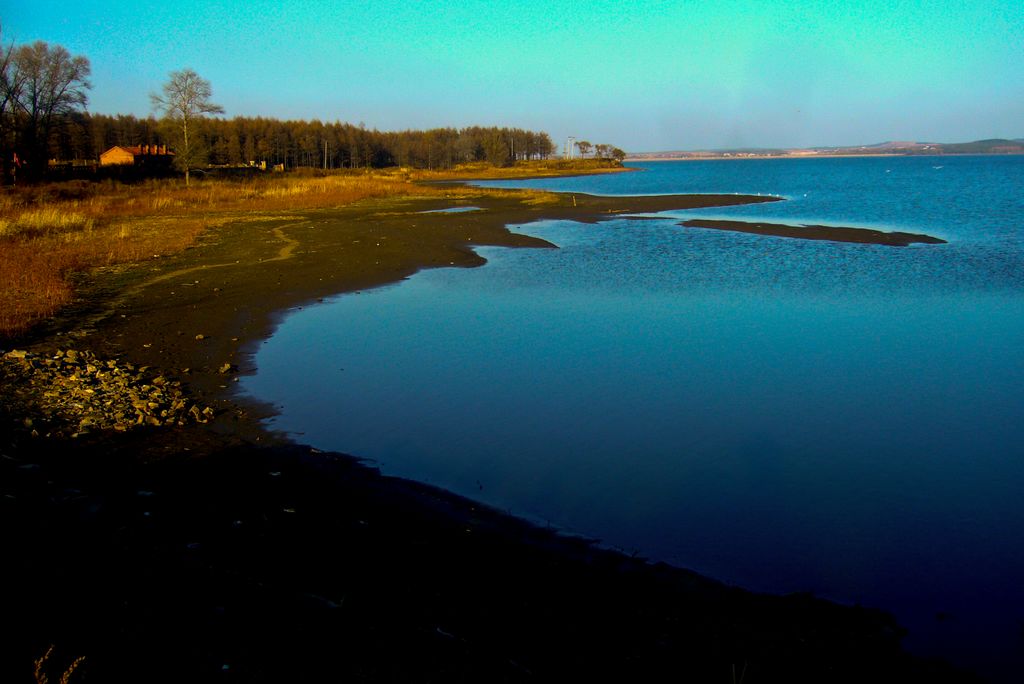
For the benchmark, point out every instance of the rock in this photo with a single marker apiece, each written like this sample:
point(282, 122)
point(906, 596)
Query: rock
point(200, 337)
point(228, 368)
point(74, 392)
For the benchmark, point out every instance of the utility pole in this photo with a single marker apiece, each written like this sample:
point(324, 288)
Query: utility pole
point(569, 142)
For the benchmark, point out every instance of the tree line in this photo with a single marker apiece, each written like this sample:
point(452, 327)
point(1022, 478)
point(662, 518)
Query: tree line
point(45, 124)
point(318, 144)
point(600, 150)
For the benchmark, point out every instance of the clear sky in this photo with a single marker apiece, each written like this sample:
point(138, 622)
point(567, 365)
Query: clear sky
point(641, 75)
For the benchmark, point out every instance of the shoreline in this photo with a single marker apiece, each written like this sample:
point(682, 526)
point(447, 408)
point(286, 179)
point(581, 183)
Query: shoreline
point(237, 530)
point(819, 156)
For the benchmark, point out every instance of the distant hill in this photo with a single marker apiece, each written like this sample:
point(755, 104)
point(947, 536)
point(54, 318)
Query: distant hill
point(902, 147)
point(993, 146)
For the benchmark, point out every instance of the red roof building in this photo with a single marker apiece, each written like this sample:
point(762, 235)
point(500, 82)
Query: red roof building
point(136, 154)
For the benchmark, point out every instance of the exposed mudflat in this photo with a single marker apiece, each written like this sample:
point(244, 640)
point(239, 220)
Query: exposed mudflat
point(817, 232)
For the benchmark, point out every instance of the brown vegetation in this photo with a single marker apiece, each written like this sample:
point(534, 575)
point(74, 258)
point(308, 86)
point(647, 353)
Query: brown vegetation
point(50, 232)
point(532, 169)
point(39, 672)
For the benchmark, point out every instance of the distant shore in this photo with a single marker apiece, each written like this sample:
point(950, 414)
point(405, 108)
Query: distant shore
point(902, 148)
point(816, 156)
point(772, 156)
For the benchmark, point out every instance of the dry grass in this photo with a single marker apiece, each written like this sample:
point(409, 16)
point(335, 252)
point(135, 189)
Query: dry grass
point(39, 671)
point(49, 232)
point(539, 168)
point(102, 202)
point(44, 221)
point(35, 271)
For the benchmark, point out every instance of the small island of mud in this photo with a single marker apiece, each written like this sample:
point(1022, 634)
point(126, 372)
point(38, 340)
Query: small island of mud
point(817, 232)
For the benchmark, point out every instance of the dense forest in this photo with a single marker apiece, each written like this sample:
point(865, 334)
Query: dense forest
point(241, 140)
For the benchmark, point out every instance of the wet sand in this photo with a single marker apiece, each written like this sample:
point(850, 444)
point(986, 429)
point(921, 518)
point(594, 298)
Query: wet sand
point(224, 552)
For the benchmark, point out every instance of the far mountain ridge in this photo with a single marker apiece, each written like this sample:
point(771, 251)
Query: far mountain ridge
point(892, 147)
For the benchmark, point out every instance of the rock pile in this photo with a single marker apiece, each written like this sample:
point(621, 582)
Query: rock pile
point(72, 392)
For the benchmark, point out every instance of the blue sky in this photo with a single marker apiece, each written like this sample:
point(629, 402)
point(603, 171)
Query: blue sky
point(640, 75)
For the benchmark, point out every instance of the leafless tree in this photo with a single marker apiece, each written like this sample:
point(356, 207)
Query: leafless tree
point(184, 101)
point(10, 92)
point(41, 84)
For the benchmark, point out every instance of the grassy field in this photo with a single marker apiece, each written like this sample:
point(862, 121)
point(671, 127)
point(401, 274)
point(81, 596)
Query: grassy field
point(50, 232)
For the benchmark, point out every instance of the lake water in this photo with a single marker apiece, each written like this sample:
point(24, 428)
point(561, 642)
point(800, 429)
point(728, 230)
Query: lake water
point(781, 414)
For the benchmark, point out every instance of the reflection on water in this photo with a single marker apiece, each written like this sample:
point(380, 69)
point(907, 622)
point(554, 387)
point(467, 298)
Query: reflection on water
point(782, 414)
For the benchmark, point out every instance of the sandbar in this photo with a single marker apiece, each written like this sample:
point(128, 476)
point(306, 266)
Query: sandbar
point(817, 232)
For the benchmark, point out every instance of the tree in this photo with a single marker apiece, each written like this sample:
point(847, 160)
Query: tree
point(42, 86)
point(584, 147)
point(184, 101)
point(496, 149)
point(10, 94)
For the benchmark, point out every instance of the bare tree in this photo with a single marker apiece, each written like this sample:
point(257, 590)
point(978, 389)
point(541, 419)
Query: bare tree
point(184, 101)
point(10, 93)
point(42, 85)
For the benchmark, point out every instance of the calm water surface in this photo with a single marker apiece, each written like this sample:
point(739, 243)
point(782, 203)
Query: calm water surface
point(785, 415)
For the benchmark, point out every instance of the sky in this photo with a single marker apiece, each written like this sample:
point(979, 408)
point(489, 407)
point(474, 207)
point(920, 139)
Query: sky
point(641, 75)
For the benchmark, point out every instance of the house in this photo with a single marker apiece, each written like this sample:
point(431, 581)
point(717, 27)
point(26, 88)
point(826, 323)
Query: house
point(137, 155)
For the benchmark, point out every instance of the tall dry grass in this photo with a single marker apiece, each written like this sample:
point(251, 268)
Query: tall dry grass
point(49, 232)
point(36, 270)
